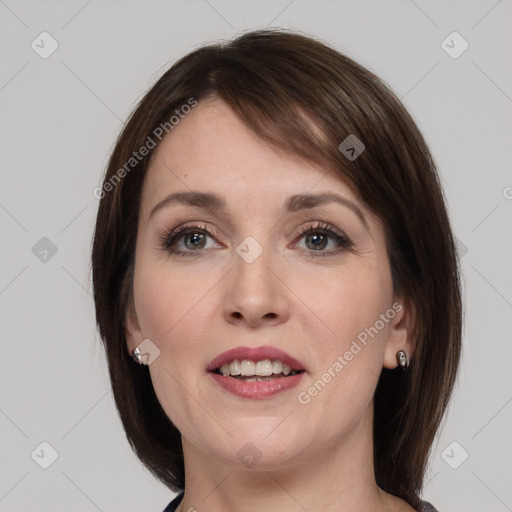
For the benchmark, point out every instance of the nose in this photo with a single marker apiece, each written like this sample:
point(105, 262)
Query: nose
point(255, 295)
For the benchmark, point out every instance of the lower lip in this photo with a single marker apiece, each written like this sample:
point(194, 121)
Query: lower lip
point(257, 390)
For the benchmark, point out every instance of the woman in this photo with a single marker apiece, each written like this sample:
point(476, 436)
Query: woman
point(273, 251)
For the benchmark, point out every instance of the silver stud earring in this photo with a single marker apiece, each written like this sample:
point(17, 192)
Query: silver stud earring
point(402, 359)
point(137, 356)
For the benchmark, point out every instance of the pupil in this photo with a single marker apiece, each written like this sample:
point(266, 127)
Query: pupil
point(318, 240)
point(196, 240)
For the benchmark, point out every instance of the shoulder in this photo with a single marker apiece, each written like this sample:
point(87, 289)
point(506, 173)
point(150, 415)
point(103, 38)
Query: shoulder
point(174, 503)
point(427, 507)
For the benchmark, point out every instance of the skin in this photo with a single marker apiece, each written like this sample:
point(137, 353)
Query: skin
point(314, 456)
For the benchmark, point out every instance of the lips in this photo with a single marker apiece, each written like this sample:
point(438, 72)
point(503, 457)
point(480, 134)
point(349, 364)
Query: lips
point(254, 354)
point(258, 388)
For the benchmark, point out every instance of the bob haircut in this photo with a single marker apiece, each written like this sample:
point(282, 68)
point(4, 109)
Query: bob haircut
point(306, 98)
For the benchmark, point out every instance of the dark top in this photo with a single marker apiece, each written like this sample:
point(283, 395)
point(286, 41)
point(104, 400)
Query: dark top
point(425, 505)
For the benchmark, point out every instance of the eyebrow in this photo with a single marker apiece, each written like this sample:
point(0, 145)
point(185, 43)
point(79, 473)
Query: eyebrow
point(295, 203)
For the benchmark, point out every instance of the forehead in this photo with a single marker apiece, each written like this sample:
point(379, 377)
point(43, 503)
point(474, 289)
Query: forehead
point(212, 148)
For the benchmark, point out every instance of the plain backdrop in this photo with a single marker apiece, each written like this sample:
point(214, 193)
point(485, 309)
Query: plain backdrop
point(60, 115)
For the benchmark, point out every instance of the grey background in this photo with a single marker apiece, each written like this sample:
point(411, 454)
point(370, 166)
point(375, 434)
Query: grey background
point(59, 119)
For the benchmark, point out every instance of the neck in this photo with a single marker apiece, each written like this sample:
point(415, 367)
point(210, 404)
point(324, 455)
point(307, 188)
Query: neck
point(337, 476)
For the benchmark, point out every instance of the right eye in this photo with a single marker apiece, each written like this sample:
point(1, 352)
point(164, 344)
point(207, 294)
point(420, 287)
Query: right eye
point(187, 240)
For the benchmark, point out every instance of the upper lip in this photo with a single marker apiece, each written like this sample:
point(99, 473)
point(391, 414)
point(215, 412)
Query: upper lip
point(254, 354)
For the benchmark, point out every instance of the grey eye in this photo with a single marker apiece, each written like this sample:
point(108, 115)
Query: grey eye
point(195, 240)
point(316, 241)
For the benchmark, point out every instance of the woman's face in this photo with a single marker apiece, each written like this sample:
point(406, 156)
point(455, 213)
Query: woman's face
point(280, 254)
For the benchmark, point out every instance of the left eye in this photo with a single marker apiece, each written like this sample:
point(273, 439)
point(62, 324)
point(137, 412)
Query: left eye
point(195, 240)
point(320, 240)
point(316, 241)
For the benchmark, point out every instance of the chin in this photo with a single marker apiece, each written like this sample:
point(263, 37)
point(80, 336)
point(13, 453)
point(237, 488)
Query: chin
point(257, 450)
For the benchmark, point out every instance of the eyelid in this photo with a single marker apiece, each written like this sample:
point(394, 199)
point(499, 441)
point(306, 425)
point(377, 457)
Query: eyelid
point(320, 225)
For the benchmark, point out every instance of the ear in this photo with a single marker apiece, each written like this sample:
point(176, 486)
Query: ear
point(132, 328)
point(401, 334)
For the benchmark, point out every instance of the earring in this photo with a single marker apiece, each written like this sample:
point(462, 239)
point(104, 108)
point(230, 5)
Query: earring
point(402, 359)
point(137, 357)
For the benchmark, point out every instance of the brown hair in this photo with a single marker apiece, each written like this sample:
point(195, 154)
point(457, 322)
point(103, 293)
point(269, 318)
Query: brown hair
point(302, 96)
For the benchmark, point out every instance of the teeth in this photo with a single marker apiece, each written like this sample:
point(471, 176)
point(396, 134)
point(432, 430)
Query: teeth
point(256, 379)
point(235, 368)
point(247, 367)
point(277, 367)
point(265, 368)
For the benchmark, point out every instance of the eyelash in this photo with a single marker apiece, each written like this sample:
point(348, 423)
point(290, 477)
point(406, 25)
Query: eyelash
point(170, 237)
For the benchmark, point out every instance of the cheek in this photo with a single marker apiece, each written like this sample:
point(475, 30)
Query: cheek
point(170, 304)
point(348, 362)
point(175, 313)
point(348, 342)
point(344, 306)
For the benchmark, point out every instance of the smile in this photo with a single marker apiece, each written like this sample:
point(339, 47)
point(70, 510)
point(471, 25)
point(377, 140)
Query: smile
point(256, 373)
